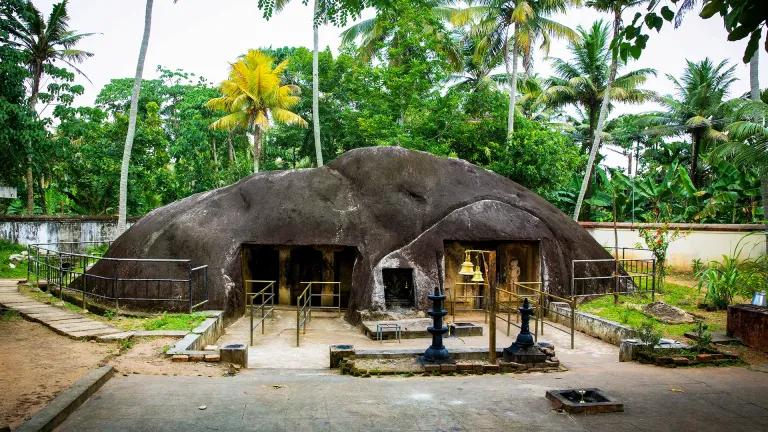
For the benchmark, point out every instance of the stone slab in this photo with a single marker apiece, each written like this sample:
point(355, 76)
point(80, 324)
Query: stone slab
point(67, 401)
point(82, 328)
point(50, 317)
point(717, 337)
point(92, 333)
point(116, 336)
point(160, 333)
point(68, 321)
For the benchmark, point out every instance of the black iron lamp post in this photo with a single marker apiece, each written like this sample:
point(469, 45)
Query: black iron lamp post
point(437, 353)
point(524, 349)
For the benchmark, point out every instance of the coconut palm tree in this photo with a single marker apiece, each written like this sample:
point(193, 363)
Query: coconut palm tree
point(582, 82)
point(514, 27)
point(44, 42)
point(374, 33)
point(122, 211)
point(279, 5)
point(698, 107)
point(747, 144)
point(253, 96)
point(477, 70)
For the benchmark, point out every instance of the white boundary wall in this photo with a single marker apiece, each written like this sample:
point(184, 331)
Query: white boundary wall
point(53, 230)
point(703, 241)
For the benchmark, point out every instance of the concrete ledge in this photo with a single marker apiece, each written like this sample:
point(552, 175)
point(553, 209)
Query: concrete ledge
point(141, 333)
point(592, 325)
point(68, 401)
point(204, 334)
point(467, 353)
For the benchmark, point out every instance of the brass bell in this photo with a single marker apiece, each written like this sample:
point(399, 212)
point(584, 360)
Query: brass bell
point(466, 267)
point(477, 276)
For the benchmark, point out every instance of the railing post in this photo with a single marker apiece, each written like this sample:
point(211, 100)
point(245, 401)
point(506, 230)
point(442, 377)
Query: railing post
point(573, 319)
point(189, 286)
point(653, 282)
point(61, 280)
point(29, 261)
point(542, 302)
point(250, 300)
point(298, 306)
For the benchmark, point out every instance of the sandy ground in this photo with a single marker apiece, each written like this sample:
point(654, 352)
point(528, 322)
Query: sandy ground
point(146, 357)
point(36, 364)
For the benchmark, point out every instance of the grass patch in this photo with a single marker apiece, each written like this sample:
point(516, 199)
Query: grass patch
point(175, 321)
point(6, 272)
point(628, 312)
point(8, 315)
point(165, 321)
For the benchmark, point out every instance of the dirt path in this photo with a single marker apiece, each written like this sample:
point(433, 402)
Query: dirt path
point(36, 364)
point(146, 357)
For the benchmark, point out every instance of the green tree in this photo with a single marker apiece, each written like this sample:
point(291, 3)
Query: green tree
point(583, 82)
point(698, 108)
point(616, 8)
point(252, 96)
point(44, 43)
point(18, 123)
point(514, 27)
point(335, 10)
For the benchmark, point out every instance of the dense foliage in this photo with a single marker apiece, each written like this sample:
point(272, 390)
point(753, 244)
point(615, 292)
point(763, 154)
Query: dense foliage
point(420, 75)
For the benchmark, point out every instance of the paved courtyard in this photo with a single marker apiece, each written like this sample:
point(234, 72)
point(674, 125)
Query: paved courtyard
point(656, 399)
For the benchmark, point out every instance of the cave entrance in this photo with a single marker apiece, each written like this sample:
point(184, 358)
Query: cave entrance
point(515, 262)
point(289, 265)
point(398, 288)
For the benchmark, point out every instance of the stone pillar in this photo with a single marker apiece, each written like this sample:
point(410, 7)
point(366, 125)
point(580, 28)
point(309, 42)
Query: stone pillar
point(284, 291)
point(328, 276)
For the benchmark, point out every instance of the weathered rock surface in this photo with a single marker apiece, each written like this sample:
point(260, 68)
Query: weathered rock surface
point(668, 313)
point(396, 207)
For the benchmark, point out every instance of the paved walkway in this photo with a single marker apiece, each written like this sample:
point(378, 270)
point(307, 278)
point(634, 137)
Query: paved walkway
point(276, 348)
point(656, 399)
point(61, 321)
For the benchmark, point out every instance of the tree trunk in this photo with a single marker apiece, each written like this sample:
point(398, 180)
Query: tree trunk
point(695, 145)
point(230, 149)
point(215, 156)
point(43, 204)
point(764, 195)
point(512, 81)
point(600, 120)
point(37, 74)
point(754, 79)
point(315, 88)
point(123, 204)
point(754, 93)
point(30, 185)
point(254, 138)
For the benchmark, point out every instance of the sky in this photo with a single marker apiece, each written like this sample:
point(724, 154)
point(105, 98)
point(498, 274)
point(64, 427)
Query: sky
point(203, 37)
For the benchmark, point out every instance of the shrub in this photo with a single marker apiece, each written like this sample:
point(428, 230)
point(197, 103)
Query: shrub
point(733, 276)
point(649, 335)
point(703, 337)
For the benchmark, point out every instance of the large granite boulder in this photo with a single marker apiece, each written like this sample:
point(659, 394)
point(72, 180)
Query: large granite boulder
point(396, 207)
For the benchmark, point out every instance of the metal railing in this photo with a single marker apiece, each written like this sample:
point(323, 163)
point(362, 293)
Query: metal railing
point(266, 302)
point(613, 276)
point(475, 298)
point(506, 307)
point(307, 301)
point(66, 266)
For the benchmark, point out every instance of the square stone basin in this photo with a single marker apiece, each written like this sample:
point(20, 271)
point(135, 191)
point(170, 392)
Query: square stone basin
point(464, 329)
point(584, 401)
